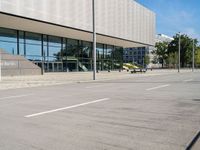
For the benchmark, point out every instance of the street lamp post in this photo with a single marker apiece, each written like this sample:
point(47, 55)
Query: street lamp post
point(94, 39)
point(193, 57)
point(179, 53)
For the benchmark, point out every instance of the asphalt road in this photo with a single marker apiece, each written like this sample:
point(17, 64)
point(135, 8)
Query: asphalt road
point(139, 113)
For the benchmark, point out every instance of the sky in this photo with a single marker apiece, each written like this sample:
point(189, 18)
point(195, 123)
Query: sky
point(173, 16)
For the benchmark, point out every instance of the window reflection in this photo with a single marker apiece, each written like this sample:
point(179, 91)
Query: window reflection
point(100, 50)
point(54, 48)
point(117, 58)
point(72, 48)
point(22, 43)
point(87, 50)
point(33, 46)
point(8, 40)
point(109, 51)
point(60, 54)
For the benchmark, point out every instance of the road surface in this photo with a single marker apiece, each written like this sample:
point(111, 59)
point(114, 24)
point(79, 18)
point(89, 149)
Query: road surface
point(139, 113)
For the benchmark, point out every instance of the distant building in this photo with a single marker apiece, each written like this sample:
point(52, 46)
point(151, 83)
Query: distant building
point(137, 55)
point(163, 38)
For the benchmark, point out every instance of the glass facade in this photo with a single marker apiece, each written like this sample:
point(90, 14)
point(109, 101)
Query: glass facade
point(59, 54)
point(32, 46)
point(135, 55)
point(8, 40)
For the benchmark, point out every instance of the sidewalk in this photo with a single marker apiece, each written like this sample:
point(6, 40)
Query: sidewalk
point(72, 77)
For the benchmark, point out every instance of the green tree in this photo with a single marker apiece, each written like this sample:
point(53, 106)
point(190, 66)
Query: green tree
point(161, 50)
point(172, 60)
point(197, 56)
point(186, 48)
point(146, 59)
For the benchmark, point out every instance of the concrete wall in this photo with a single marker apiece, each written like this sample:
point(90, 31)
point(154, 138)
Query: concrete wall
point(14, 65)
point(125, 19)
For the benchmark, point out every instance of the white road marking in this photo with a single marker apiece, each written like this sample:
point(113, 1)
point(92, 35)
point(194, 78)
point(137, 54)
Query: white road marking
point(15, 96)
point(158, 87)
point(65, 108)
point(188, 80)
point(95, 86)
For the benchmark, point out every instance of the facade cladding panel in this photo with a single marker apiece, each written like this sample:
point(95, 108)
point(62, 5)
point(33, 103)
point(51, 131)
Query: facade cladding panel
point(125, 19)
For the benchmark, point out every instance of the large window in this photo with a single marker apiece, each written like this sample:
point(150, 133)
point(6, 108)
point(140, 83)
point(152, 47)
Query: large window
point(85, 62)
point(118, 53)
point(55, 48)
point(59, 54)
point(109, 51)
point(72, 48)
point(100, 51)
point(33, 46)
point(86, 49)
point(22, 47)
point(45, 47)
point(8, 40)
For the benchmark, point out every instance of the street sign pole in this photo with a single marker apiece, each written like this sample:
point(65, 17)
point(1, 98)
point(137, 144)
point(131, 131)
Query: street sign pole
point(94, 39)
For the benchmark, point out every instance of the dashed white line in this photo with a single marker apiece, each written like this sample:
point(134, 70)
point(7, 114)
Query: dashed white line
point(15, 96)
point(188, 80)
point(95, 86)
point(158, 87)
point(65, 108)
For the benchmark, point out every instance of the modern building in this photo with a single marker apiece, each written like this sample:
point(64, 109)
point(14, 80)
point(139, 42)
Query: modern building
point(137, 54)
point(163, 38)
point(57, 34)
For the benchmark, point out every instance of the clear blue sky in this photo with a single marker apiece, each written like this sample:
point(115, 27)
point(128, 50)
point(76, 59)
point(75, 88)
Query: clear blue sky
point(176, 15)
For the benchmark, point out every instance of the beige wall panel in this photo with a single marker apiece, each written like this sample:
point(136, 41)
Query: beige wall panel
point(125, 19)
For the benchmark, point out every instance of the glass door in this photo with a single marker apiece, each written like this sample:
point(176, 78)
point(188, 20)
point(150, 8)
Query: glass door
point(72, 65)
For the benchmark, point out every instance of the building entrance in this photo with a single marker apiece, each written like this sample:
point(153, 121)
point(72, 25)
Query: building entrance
point(72, 65)
point(53, 66)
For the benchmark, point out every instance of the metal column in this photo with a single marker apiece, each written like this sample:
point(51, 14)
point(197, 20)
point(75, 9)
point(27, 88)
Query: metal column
point(94, 39)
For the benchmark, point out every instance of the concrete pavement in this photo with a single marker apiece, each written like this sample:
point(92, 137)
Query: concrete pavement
point(49, 79)
point(139, 112)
